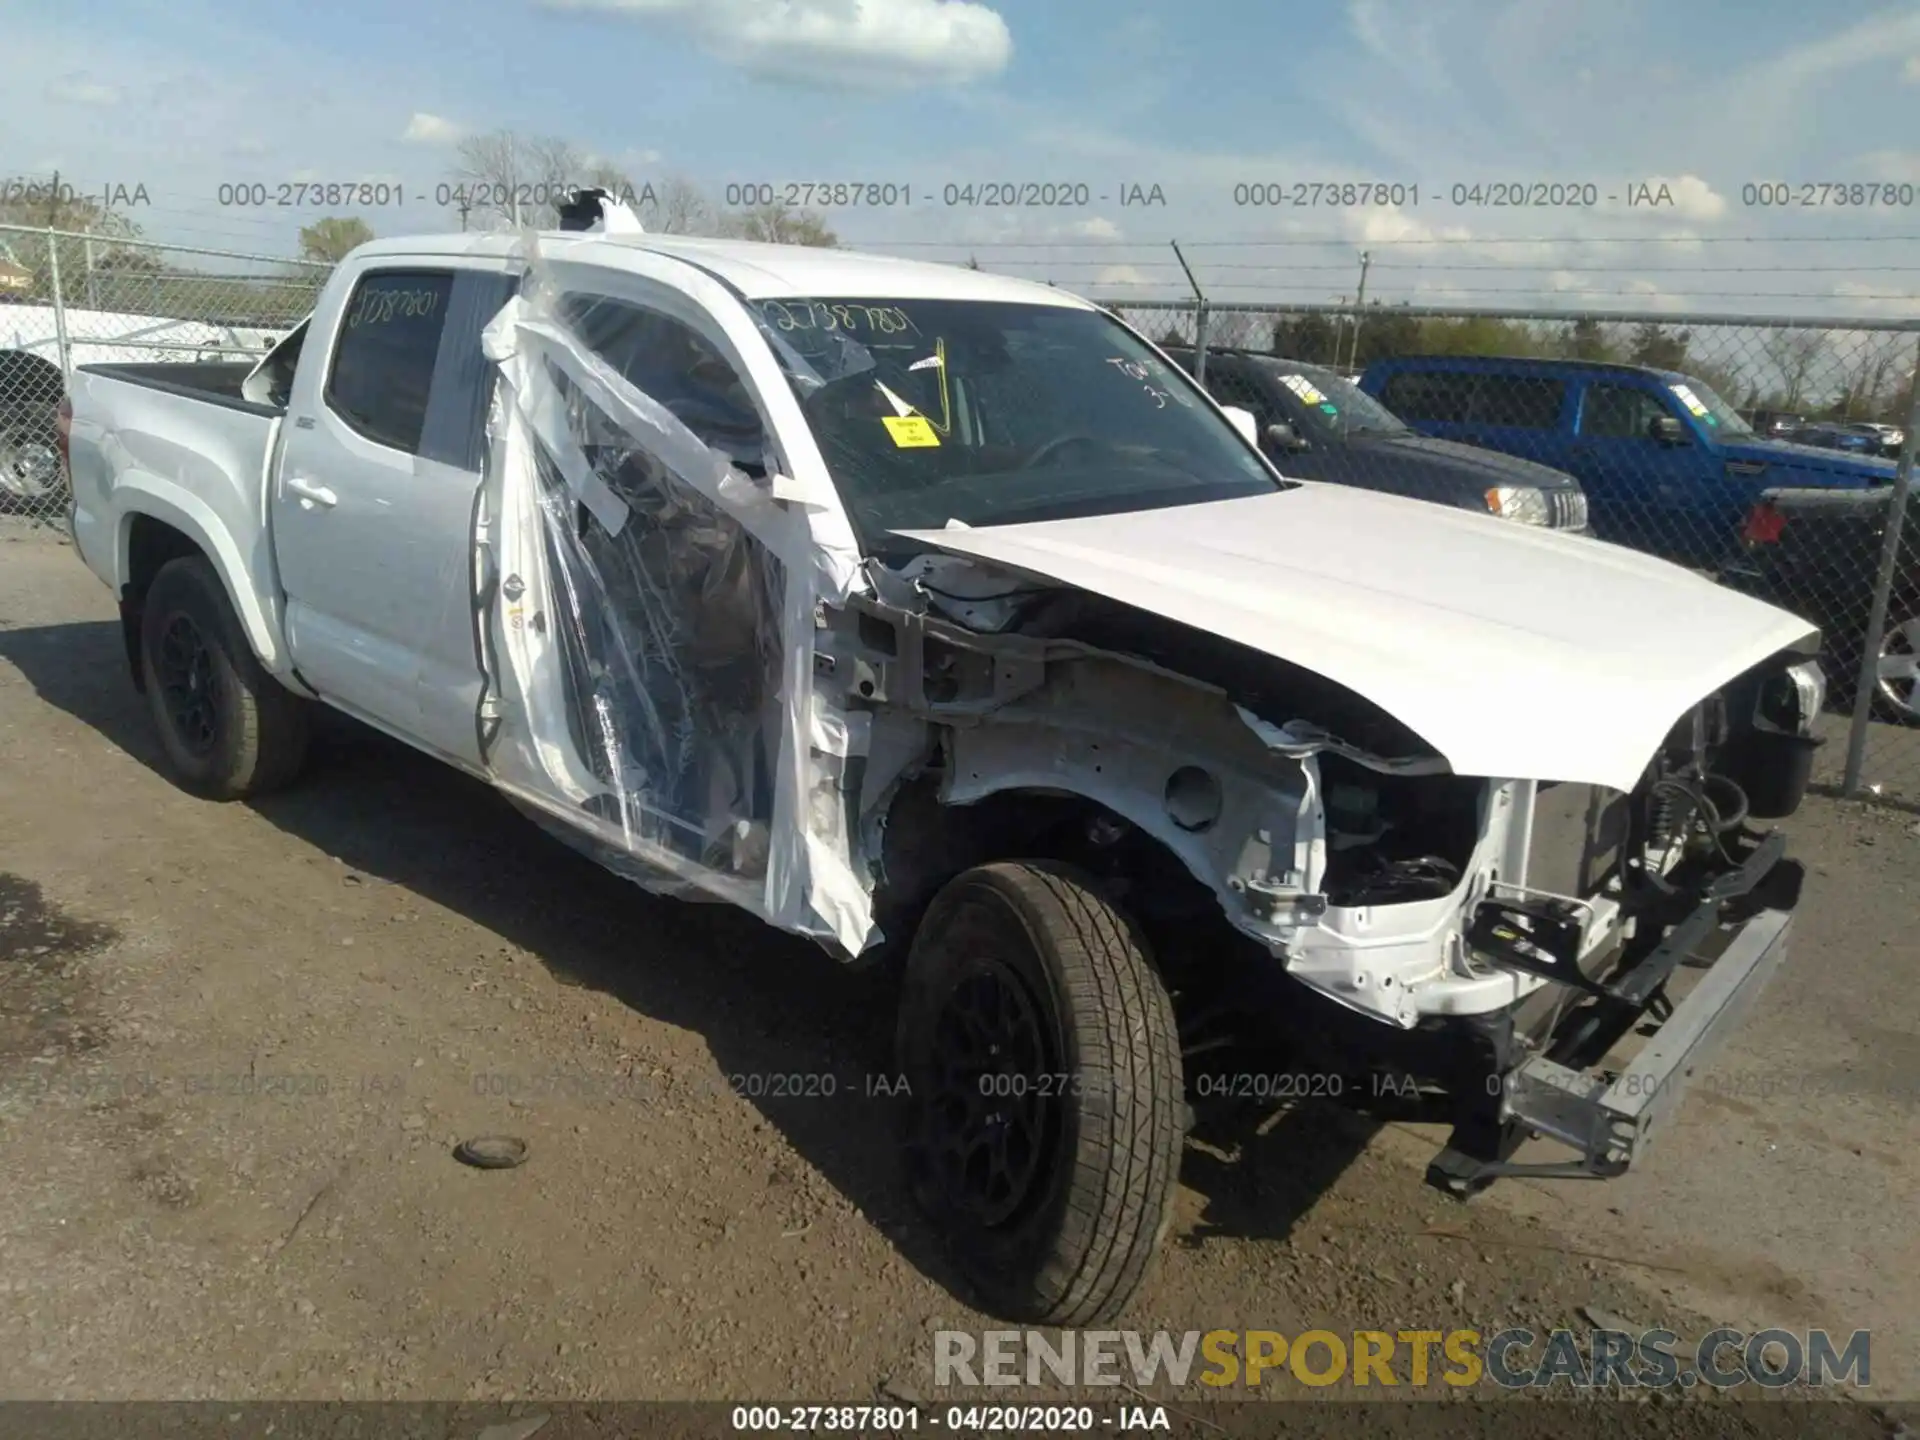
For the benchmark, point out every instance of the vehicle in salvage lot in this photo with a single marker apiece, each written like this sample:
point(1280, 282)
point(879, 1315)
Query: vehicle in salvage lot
point(1817, 553)
point(1667, 465)
point(1316, 425)
point(32, 386)
point(934, 616)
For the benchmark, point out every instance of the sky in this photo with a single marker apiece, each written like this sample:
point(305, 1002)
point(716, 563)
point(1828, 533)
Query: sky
point(1196, 109)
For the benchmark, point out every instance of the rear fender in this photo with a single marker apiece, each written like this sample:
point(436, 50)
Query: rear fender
point(180, 509)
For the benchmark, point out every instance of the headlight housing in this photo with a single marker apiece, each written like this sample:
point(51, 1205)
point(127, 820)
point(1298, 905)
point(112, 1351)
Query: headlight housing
point(1790, 701)
point(1524, 504)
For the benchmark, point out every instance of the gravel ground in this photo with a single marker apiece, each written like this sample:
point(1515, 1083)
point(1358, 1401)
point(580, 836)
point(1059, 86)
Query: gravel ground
point(238, 1042)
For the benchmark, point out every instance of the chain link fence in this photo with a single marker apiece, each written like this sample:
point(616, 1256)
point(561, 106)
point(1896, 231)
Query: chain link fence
point(69, 299)
point(1772, 453)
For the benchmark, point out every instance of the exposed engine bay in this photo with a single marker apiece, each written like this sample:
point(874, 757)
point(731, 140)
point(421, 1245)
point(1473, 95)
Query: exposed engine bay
point(1326, 830)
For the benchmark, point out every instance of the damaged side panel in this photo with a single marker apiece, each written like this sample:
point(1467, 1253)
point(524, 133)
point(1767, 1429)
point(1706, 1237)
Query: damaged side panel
point(649, 578)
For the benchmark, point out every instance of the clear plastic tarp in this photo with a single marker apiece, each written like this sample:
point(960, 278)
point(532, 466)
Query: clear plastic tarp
point(655, 578)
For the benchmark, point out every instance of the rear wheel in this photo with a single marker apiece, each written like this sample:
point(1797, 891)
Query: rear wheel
point(230, 730)
point(32, 478)
point(1045, 1074)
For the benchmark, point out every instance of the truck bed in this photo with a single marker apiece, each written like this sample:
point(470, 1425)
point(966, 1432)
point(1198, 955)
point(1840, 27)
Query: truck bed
point(218, 381)
point(178, 433)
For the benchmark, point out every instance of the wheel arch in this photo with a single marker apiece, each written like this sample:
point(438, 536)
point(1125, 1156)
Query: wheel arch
point(160, 523)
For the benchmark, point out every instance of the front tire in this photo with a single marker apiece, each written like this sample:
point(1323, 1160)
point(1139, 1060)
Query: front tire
point(1047, 1093)
point(229, 729)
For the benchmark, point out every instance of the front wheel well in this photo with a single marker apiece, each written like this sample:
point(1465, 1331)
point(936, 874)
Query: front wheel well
point(926, 843)
point(151, 544)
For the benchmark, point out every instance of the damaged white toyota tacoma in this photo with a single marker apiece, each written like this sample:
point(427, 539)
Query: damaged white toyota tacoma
point(937, 617)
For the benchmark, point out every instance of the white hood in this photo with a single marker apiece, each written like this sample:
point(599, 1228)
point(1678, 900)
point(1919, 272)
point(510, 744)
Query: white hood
point(1516, 653)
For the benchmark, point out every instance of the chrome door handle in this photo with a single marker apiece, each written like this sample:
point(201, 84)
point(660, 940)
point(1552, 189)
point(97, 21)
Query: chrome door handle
point(311, 494)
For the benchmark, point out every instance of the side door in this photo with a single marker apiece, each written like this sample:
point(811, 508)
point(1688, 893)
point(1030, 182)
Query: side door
point(374, 497)
point(664, 701)
point(1641, 491)
point(1524, 415)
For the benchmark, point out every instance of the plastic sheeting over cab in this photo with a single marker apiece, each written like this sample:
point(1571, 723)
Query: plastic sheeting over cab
point(648, 578)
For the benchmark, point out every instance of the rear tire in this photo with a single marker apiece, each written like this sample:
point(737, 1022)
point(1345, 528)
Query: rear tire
point(229, 729)
point(1047, 1093)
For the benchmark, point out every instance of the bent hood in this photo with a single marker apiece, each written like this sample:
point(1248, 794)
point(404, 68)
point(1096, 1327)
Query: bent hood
point(1515, 653)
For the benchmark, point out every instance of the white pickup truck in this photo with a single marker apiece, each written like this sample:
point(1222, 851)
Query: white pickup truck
point(938, 617)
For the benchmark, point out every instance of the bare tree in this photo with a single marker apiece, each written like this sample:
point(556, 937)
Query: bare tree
point(1794, 354)
point(782, 225)
point(677, 206)
point(1869, 377)
point(517, 180)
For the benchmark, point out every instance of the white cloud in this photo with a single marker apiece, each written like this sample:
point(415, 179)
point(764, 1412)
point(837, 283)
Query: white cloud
point(1863, 43)
point(1911, 70)
point(425, 129)
point(1693, 198)
point(1096, 228)
point(1895, 165)
point(874, 44)
point(1866, 299)
point(78, 90)
point(1126, 275)
point(1390, 225)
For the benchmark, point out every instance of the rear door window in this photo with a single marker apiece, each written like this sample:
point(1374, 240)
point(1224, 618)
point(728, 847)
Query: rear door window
point(1433, 396)
point(408, 371)
point(1519, 402)
point(382, 373)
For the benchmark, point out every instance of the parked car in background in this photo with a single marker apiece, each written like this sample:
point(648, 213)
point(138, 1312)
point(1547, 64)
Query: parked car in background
point(1893, 438)
point(1774, 422)
point(1667, 465)
point(1316, 425)
point(1836, 435)
point(32, 385)
point(1818, 553)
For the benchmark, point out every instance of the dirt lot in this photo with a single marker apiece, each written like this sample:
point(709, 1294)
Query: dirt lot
point(237, 1043)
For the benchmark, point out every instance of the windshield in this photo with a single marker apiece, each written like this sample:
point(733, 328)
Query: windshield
point(988, 413)
point(1708, 408)
point(1332, 405)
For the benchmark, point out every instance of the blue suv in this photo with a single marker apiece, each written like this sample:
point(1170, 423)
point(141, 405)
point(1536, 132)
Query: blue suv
point(1667, 465)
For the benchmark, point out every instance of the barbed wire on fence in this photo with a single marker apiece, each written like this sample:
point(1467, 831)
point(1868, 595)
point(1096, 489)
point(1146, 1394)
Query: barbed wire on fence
point(1659, 428)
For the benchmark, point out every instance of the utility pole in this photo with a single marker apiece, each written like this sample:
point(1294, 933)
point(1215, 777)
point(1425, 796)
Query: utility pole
point(465, 206)
point(53, 202)
point(1359, 302)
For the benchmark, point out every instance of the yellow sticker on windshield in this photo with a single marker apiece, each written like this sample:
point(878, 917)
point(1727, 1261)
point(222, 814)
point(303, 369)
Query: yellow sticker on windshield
point(1304, 388)
point(910, 432)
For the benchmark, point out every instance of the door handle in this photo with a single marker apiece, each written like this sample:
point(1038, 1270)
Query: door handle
point(312, 494)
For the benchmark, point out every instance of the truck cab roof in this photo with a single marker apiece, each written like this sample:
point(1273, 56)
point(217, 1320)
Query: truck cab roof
point(755, 269)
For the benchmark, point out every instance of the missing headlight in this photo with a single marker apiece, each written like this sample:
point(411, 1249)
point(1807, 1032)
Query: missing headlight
point(1789, 702)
